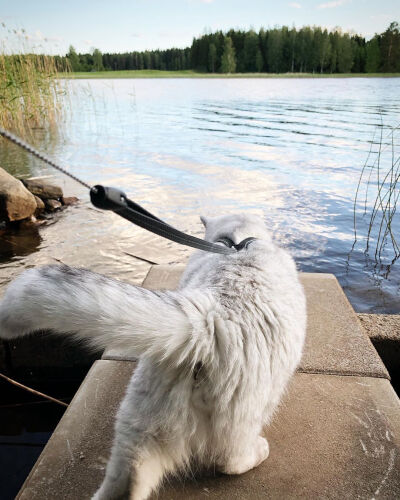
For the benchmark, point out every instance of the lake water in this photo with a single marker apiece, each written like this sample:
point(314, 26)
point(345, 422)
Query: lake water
point(291, 150)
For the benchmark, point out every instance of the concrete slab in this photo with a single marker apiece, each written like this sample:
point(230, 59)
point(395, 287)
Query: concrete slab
point(334, 437)
point(379, 326)
point(73, 461)
point(117, 355)
point(336, 342)
point(384, 332)
point(163, 277)
point(156, 253)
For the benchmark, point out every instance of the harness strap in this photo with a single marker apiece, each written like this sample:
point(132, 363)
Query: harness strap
point(243, 244)
point(113, 199)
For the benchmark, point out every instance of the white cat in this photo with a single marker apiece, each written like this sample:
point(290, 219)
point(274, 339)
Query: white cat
point(215, 355)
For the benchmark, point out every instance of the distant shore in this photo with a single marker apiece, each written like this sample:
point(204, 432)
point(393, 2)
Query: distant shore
point(151, 73)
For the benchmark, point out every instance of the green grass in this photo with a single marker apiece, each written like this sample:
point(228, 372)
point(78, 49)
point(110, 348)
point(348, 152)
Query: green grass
point(30, 93)
point(152, 73)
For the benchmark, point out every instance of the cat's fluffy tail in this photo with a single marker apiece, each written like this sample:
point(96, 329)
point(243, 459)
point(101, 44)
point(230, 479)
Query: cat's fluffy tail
point(101, 311)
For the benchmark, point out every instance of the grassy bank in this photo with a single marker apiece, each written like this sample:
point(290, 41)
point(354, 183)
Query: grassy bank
point(151, 73)
point(29, 92)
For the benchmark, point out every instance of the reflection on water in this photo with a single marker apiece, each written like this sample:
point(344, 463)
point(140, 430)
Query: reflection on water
point(18, 243)
point(290, 150)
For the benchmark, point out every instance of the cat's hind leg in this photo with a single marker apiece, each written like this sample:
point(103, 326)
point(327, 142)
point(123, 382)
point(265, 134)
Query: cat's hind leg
point(135, 479)
point(248, 458)
point(140, 457)
point(156, 462)
point(116, 483)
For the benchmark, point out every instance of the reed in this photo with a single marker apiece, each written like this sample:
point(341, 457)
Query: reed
point(380, 180)
point(31, 94)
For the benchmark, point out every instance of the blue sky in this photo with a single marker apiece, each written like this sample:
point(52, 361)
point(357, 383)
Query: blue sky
point(124, 25)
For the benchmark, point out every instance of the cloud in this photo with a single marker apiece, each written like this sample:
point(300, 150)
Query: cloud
point(295, 5)
point(332, 5)
point(381, 17)
point(172, 34)
point(38, 37)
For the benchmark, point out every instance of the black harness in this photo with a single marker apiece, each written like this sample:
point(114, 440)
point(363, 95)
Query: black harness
point(240, 246)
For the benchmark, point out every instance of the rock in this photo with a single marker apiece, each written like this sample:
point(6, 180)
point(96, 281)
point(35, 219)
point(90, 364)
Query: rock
point(16, 202)
point(42, 189)
point(29, 222)
point(39, 206)
point(69, 200)
point(53, 205)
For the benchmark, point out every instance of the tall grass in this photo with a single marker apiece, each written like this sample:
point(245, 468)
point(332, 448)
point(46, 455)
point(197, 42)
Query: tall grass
point(31, 95)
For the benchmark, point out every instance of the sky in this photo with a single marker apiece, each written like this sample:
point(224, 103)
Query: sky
point(127, 25)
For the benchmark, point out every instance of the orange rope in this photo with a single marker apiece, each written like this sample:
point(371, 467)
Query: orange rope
point(22, 386)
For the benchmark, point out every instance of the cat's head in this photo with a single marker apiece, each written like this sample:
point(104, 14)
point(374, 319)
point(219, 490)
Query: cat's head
point(235, 227)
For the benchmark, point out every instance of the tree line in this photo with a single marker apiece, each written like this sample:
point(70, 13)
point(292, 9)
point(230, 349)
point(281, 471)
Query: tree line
point(170, 59)
point(277, 50)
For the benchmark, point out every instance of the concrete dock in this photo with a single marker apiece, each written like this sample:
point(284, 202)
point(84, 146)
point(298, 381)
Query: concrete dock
point(335, 436)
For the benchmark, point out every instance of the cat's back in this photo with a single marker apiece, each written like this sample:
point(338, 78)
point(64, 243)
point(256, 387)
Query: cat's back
point(263, 271)
point(254, 295)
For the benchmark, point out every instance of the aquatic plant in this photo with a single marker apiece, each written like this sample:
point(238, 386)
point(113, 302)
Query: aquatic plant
point(380, 180)
point(30, 92)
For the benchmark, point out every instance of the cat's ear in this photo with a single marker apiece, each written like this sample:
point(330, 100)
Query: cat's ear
point(204, 220)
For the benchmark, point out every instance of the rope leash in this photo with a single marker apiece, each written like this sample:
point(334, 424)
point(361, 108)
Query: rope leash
point(108, 198)
point(24, 145)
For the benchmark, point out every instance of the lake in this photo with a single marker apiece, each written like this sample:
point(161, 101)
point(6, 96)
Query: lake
point(291, 150)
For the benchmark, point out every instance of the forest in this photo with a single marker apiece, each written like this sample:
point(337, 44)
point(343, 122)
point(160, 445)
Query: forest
point(277, 50)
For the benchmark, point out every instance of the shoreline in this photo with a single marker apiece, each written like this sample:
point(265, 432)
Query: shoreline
point(149, 73)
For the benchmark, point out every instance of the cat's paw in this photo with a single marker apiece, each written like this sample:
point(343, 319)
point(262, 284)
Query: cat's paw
point(262, 448)
point(248, 459)
point(111, 490)
point(102, 495)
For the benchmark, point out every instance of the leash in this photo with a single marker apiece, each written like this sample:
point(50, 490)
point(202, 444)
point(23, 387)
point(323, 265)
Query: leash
point(108, 198)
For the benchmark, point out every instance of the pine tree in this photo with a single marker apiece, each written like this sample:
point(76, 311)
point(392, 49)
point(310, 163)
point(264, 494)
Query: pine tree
point(251, 48)
point(373, 61)
point(97, 60)
point(228, 60)
point(259, 61)
point(275, 51)
point(238, 45)
point(390, 48)
point(326, 50)
point(147, 60)
point(292, 47)
point(359, 55)
point(317, 50)
point(212, 58)
point(73, 59)
point(344, 54)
